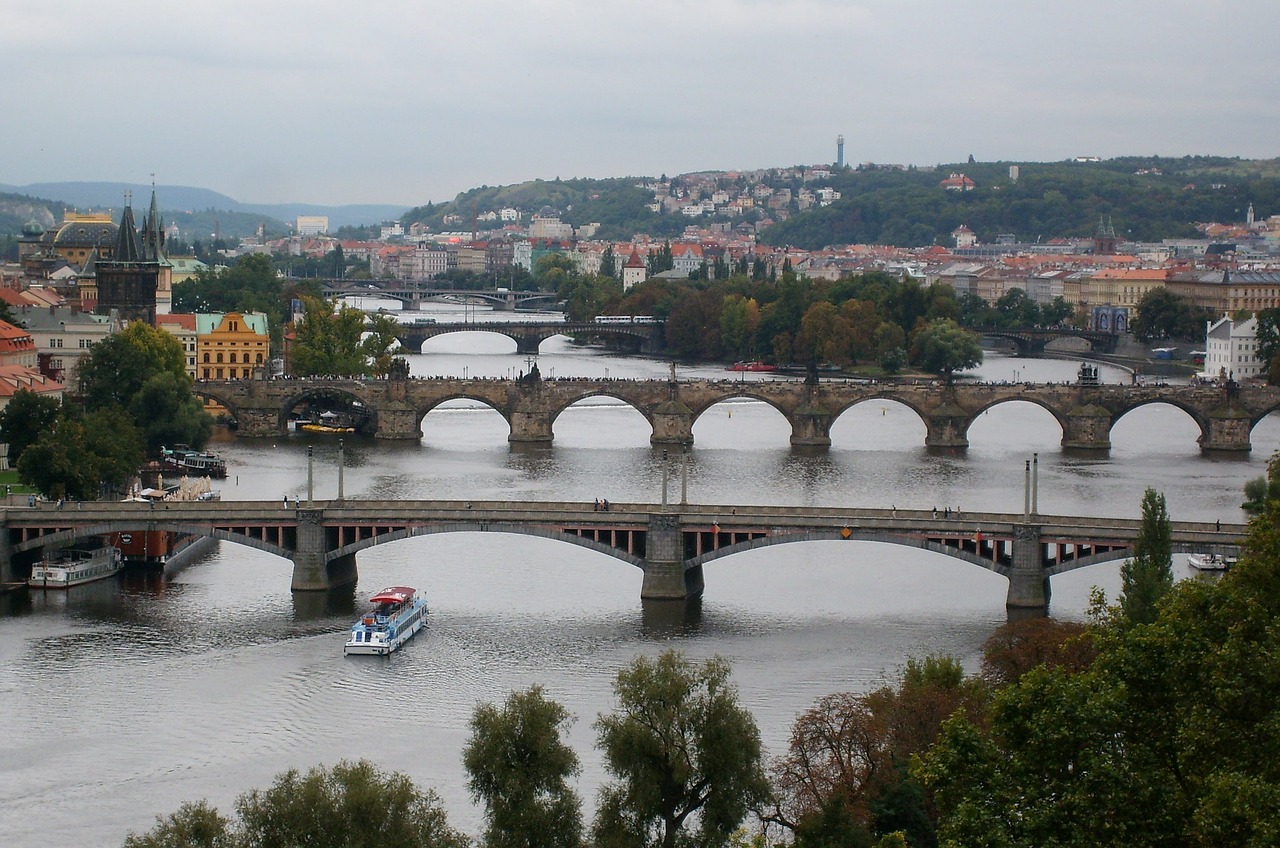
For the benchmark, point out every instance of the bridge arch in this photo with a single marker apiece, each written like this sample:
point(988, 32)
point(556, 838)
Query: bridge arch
point(199, 389)
point(323, 391)
point(421, 412)
point(740, 392)
point(854, 535)
point(881, 396)
point(612, 394)
point(70, 536)
point(515, 529)
point(1194, 414)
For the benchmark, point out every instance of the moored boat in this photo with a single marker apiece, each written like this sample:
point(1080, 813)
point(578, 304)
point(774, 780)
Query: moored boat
point(187, 460)
point(398, 613)
point(1209, 562)
point(751, 366)
point(69, 567)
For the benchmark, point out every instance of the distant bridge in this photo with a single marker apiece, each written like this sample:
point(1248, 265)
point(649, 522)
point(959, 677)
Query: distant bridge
point(529, 335)
point(1225, 416)
point(1032, 340)
point(414, 293)
point(670, 543)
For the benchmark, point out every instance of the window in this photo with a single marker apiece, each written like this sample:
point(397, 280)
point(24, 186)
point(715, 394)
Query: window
point(206, 358)
point(219, 360)
point(259, 359)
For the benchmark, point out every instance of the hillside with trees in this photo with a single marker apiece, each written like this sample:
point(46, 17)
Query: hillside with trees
point(1147, 199)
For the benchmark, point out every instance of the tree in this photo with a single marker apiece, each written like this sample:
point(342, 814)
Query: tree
point(825, 335)
point(118, 366)
point(1019, 646)
point(351, 804)
point(1149, 575)
point(194, 825)
point(519, 766)
point(327, 343)
point(26, 417)
point(739, 318)
point(1163, 314)
point(943, 347)
point(1166, 739)
point(80, 456)
point(169, 413)
point(379, 343)
point(682, 751)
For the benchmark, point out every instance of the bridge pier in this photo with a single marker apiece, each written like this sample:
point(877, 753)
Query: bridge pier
point(312, 572)
point(1228, 430)
point(8, 574)
point(528, 345)
point(258, 422)
point(810, 427)
point(1028, 585)
point(672, 424)
point(398, 423)
point(665, 577)
point(1087, 427)
point(531, 427)
point(947, 427)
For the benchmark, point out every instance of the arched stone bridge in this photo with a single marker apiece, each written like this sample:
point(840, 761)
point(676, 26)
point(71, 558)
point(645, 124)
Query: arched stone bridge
point(1225, 416)
point(670, 544)
point(1033, 340)
point(529, 335)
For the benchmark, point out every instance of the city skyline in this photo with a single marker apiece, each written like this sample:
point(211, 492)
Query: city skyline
point(268, 103)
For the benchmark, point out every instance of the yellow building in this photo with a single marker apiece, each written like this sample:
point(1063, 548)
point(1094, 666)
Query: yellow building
point(231, 346)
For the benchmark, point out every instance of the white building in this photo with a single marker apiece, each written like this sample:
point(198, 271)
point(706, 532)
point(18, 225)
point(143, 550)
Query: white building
point(1231, 350)
point(312, 225)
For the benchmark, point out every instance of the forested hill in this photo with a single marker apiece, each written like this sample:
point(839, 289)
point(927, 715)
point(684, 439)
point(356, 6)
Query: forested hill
point(618, 204)
point(1147, 198)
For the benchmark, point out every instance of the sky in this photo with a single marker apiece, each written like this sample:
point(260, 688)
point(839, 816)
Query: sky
point(409, 101)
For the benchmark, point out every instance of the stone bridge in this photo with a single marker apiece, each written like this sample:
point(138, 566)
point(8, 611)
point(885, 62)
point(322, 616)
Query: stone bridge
point(1225, 416)
point(669, 543)
point(1032, 340)
point(414, 293)
point(529, 335)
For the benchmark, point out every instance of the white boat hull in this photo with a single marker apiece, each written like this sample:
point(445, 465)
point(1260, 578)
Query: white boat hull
point(379, 641)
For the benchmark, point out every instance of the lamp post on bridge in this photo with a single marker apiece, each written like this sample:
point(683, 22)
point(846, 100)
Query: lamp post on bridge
point(340, 465)
point(664, 481)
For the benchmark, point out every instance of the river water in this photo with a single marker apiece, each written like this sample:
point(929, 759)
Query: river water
point(124, 699)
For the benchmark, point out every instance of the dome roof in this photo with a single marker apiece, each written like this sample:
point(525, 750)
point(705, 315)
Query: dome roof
point(86, 234)
point(33, 228)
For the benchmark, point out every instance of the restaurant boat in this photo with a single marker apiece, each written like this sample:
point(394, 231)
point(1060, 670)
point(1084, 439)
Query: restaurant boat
point(751, 366)
point(398, 613)
point(186, 460)
point(69, 567)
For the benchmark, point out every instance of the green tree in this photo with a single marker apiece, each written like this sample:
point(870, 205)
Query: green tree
point(351, 804)
point(169, 413)
point(194, 825)
point(24, 419)
point(684, 753)
point(118, 366)
point(825, 335)
point(81, 456)
point(739, 318)
point(379, 343)
point(1163, 314)
point(1149, 575)
point(519, 766)
point(944, 348)
point(327, 342)
point(1163, 740)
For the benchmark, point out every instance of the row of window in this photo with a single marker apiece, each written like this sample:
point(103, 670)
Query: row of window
point(232, 359)
point(230, 374)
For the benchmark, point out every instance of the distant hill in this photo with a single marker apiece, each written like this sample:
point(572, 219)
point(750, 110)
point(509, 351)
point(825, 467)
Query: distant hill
point(1146, 198)
point(175, 201)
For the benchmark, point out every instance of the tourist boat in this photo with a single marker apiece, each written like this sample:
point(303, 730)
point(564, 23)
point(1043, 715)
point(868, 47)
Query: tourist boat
point(73, 566)
point(313, 427)
point(186, 460)
point(1209, 562)
point(751, 366)
point(398, 613)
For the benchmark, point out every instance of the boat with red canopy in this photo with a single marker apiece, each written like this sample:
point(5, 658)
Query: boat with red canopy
point(398, 613)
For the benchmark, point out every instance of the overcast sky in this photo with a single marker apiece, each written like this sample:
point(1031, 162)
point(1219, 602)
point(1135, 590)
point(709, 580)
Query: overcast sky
point(405, 102)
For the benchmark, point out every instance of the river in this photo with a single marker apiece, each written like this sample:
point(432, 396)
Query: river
point(124, 699)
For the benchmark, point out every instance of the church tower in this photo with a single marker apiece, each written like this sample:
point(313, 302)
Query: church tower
point(129, 281)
